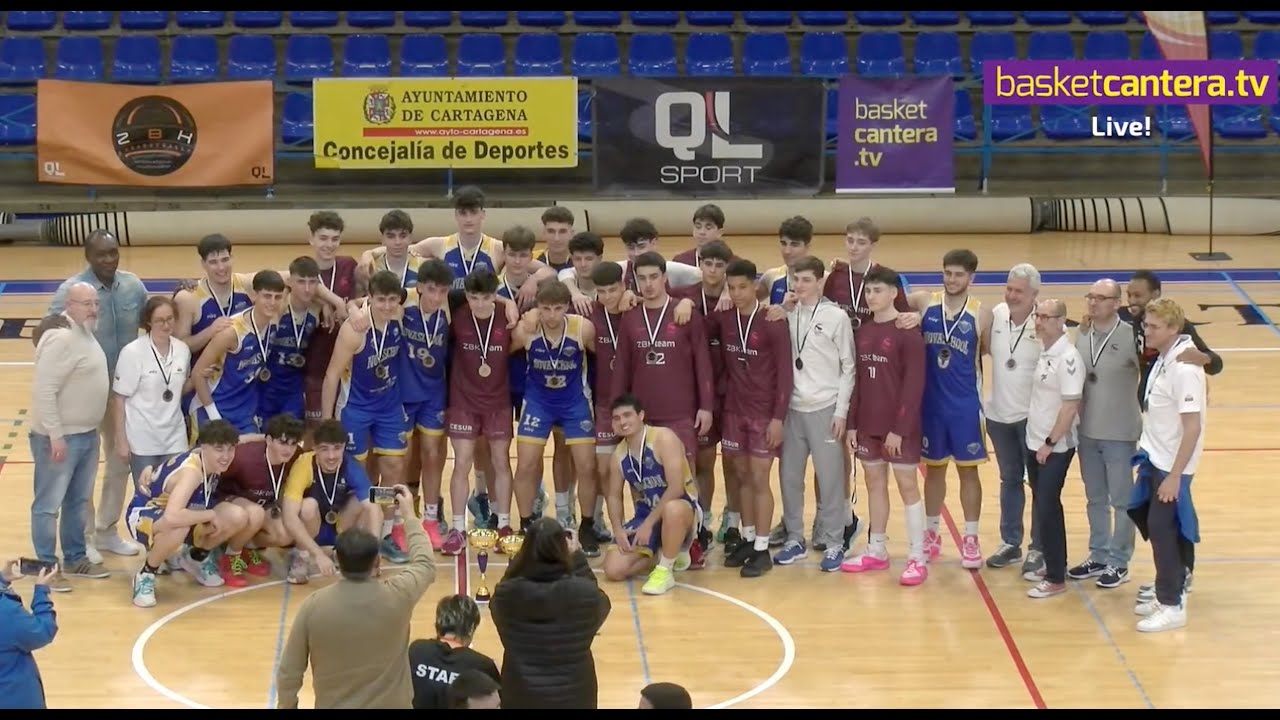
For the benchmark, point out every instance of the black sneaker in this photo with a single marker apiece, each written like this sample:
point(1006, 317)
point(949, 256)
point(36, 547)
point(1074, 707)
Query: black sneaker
point(740, 554)
point(851, 531)
point(705, 537)
point(759, 564)
point(1086, 570)
point(732, 539)
point(587, 538)
point(1113, 577)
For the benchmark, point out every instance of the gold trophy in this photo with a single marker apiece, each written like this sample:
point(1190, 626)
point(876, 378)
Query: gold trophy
point(482, 541)
point(511, 544)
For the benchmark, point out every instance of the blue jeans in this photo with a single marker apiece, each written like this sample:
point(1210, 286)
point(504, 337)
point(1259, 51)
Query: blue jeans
point(1010, 443)
point(65, 487)
point(1107, 470)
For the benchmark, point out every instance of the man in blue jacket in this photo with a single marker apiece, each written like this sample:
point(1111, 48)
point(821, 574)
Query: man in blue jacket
point(21, 634)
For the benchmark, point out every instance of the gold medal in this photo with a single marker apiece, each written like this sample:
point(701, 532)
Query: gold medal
point(428, 360)
point(331, 517)
point(485, 371)
point(264, 375)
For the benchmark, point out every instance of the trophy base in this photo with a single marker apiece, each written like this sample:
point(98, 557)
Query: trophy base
point(482, 599)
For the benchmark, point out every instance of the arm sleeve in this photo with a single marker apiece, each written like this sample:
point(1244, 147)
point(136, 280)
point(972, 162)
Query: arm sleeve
point(681, 275)
point(54, 364)
point(409, 585)
point(128, 372)
point(786, 379)
point(1188, 389)
point(1071, 375)
point(621, 353)
point(907, 423)
point(293, 660)
point(702, 364)
point(29, 631)
point(848, 369)
point(300, 478)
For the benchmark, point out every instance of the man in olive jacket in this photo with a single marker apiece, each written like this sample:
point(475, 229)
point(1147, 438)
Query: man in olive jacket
point(356, 632)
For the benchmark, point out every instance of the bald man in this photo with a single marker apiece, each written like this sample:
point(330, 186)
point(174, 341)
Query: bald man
point(120, 295)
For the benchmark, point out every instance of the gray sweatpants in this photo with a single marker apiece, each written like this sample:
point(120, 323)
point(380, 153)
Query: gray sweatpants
point(805, 435)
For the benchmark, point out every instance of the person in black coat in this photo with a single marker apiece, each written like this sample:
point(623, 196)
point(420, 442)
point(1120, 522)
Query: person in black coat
point(547, 610)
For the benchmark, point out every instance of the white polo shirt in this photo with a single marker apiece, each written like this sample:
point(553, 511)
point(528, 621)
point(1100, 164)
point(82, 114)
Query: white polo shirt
point(1010, 394)
point(153, 425)
point(1173, 388)
point(1059, 376)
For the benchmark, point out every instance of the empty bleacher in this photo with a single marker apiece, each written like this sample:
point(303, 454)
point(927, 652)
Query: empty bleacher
point(294, 47)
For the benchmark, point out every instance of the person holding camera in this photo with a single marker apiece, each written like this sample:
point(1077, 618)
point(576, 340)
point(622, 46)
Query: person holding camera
point(355, 633)
point(21, 634)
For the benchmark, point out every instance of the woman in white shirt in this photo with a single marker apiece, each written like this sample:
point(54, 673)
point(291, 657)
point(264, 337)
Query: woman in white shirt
point(147, 391)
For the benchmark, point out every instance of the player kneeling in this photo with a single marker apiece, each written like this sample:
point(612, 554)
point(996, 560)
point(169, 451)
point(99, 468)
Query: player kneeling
point(327, 492)
point(652, 461)
point(170, 508)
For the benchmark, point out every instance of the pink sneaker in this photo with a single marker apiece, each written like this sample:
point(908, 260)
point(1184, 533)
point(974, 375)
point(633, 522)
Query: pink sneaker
point(970, 552)
point(454, 542)
point(432, 527)
point(397, 534)
point(915, 573)
point(932, 544)
point(864, 563)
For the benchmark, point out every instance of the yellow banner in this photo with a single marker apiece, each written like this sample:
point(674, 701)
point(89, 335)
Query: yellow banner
point(405, 123)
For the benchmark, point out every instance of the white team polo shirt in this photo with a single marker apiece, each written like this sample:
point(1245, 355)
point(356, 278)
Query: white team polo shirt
point(1173, 388)
point(153, 425)
point(1010, 393)
point(1059, 376)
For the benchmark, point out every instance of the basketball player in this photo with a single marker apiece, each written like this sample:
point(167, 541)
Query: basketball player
point(338, 275)
point(326, 493)
point(639, 236)
point(758, 380)
point(171, 506)
point(606, 318)
point(708, 226)
point(396, 229)
point(254, 481)
point(283, 391)
point(479, 401)
point(557, 230)
point(207, 309)
point(366, 368)
point(655, 464)
point(230, 373)
point(557, 395)
point(954, 323)
point(795, 234)
point(884, 424)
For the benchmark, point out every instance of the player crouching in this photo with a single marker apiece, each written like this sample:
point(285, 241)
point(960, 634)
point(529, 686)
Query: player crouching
point(326, 493)
point(667, 518)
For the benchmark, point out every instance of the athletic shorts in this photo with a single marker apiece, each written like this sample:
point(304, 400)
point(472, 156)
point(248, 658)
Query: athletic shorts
point(655, 539)
point(575, 422)
point(384, 431)
point(142, 520)
point(312, 394)
point(715, 435)
point(466, 424)
point(606, 440)
point(953, 435)
point(272, 403)
point(748, 435)
point(687, 432)
point(871, 449)
point(426, 417)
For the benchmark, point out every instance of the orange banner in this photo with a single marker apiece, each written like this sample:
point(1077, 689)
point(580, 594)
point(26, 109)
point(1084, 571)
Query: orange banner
point(205, 135)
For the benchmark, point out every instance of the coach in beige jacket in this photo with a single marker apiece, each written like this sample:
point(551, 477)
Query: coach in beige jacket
point(355, 633)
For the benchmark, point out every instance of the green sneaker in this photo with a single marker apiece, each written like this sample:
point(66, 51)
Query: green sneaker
point(660, 581)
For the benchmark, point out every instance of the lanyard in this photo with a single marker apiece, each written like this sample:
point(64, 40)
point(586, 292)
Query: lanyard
point(742, 336)
point(653, 331)
point(167, 362)
point(223, 310)
point(1095, 355)
point(564, 335)
point(403, 274)
point(329, 495)
point(429, 337)
point(379, 346)
point(800, 342)
point(947, 332)
point(262, 344)
point(275, 481)
point(854, 297)
point(1013, 344)
point(484, 341)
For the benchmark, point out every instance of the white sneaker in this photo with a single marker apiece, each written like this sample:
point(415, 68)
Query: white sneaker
point(1164, 617)
point(144, 589)
point(117, 545)
point(206, 572)
point(92, 553)
point(299, 567)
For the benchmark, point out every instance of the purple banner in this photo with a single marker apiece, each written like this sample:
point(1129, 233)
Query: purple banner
point(896, 135)
point(1129, 82)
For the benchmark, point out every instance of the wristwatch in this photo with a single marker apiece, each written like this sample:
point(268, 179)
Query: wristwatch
point(1049, 441)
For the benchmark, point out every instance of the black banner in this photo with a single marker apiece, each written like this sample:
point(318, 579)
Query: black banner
point(732, 135)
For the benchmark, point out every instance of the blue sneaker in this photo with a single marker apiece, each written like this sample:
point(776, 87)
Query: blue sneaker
point(832, 559)
point(478, 505)
point(793, 551)
point(392, 552)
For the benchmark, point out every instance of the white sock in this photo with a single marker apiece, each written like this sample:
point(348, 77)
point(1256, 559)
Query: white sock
point(504, 520)
point(666, 562)
point(749, 533)
point(970, 528)
point(934, 524)
point(762, 543)
point(915, 530)
point(431, 510)
point(460, 522)
point(876, 545)
point(562, 505)
point(386, 527)
point(735, 519)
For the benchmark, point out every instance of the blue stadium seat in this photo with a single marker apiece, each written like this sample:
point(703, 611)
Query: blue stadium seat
point(709, 18)
point(251, 57)
point(137, 59)
point(424, 56)
point(1066, 122)
point(541, 18)
point(1107, 45)
point(1012, 123)
point(584, 116)
point(22, 60)
point(79, 57)
point(597, 18)
point(1262, 17)
point(144, 19)
point(934, 18)
point(992, 17)
point(879, 17)
point(1149, 49)
point(823, 18)
point(938, 53)
point(1275, 117)
point(1122, 114)
point(986, 46)
point(1104, 17)
point(824, 54)
point(1226, 45)
point(483, 18)
point(1050, 45)
point(1047, 17)
point(596, 54)
point(1222, 17)
point(880, 54)
point(766, 54)
point(653, 55)
point(313, 18)
point(257, 19)
point(201, 19)
point(193, 58)
point(768, 18)
point(366, 56)
point(17, 119)
point(307, 57)
point(1173, 122)
point(297, 125)
point(31, 20)
point(709, 55)
point(1266, 45)
point(539, 54)
point(481, 55)
point(655, 18)
point(86, 20)
point(371, 19)
point(428, 18)
point(966, 126)
point(1239, 122)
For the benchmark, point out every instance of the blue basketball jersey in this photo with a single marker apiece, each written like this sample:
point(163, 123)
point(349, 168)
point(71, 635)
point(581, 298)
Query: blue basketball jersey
point(557, 374)
point(234, 382)
point(463, 261)
point(953, 373)
point(781, 285)
point(371, 383)
point(211, 307)
point(408, 274)
point(646, 475)
point(156, 491)
point(568, 263)
point(287, 356)
point(426, 354)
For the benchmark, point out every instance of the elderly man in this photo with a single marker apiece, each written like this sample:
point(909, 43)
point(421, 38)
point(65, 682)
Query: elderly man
point(121, 296)
point(69, 401)
point(1110, 425)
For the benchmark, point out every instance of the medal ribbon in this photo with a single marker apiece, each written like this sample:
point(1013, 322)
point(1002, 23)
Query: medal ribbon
point(484, 341)
point(653, 331)
point(1096, 355)
point(742, 336)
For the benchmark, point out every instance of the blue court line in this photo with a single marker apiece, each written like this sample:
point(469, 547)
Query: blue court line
point(989, 277)
point(1235, 285)
point(1106, 632)
point(275, 664)
point(635, 615)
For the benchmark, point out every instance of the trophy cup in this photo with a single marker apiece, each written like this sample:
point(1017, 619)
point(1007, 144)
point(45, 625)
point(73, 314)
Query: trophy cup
point(482, 541)
point(511, 544)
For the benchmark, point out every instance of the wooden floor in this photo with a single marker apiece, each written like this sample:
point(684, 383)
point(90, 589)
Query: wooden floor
point(797, 637)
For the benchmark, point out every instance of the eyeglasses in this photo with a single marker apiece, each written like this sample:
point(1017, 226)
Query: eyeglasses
point(1099, 298)
point(1042, 316)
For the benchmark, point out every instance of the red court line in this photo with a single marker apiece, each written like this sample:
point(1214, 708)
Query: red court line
point(463, 577)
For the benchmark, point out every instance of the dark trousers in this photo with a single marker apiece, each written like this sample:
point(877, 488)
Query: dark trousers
point(1046, 496)
point(1173, 553)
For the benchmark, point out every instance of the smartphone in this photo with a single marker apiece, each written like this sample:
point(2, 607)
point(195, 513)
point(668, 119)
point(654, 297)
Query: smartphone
point(30, 567)
point(382, 495)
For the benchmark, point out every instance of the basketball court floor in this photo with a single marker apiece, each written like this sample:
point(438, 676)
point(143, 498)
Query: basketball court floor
point(796, 638)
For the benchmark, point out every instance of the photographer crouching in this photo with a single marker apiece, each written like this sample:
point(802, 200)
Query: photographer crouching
point(21, 634)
